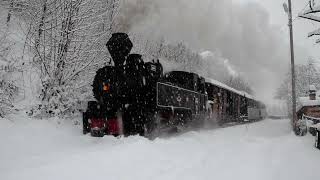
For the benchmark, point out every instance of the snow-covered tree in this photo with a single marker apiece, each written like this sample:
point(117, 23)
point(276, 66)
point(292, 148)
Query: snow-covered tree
point(306, 75)
point(8, 89)
point(68, 39)
point(240, 84)
point(312, 13)
point(178, 56)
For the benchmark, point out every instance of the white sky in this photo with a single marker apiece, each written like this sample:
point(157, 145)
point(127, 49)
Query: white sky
point(301, 26)
point(253, 37)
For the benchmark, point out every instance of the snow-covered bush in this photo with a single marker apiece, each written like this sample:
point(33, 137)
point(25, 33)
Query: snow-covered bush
point(68, 40)
point(59, 101)
point(8, 89)
point(7, 93)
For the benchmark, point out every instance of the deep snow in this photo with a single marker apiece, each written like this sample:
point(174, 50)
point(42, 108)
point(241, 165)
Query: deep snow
point(56, 150)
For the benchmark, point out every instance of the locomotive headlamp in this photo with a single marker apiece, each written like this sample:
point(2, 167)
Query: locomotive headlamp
point(106, 87)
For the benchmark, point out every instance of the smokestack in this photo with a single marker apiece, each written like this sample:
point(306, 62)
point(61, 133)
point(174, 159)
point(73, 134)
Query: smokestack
point(119, 46)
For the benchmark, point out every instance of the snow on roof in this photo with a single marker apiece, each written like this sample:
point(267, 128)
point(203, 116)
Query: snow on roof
point(206, 54)
point(312, 88)
point(306, 102)
point(224, 86)
point(317, 126)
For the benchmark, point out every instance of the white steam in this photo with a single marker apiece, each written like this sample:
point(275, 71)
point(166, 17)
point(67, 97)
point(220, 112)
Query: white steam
point(215, 59)
point(241, 32)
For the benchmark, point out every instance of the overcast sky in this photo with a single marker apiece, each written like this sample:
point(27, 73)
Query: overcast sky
point(305, 47)
point(251, 34)
point(301, 26)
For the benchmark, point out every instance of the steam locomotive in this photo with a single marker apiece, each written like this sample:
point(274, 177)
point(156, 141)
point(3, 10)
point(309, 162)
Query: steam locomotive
point(136, 97)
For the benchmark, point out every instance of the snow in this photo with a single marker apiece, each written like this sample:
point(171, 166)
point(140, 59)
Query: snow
point(3, 63)
point(316, 126)
point(315, 9)
point(314, 33)
point(312, 88)
point(277, 108)
point(311, 17)
point(56, 149)
point(305, 101)
point(224, 86)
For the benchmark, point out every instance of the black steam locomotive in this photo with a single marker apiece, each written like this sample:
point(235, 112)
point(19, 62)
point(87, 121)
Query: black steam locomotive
point(135, 97)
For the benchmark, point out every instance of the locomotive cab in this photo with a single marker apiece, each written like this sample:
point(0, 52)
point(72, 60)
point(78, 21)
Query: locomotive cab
point(186, 80)
point(181, 98)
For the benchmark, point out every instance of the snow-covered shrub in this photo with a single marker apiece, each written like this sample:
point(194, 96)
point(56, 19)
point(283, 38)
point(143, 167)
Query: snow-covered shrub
point(68, 40)
point(8, 89)
point(7, 93)
point(61, 100)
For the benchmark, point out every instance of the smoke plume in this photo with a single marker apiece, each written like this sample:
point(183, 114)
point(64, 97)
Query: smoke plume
point(241, 33)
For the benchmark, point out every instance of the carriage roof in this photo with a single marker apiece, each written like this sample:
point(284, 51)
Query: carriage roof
point(226, 87)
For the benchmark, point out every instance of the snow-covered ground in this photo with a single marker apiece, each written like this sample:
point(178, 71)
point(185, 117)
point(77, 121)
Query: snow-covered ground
point(56, 150)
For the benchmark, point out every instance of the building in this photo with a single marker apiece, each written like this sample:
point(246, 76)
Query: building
point(309, 106)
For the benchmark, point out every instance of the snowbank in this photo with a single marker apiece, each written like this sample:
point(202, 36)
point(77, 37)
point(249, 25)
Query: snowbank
point(55, 149)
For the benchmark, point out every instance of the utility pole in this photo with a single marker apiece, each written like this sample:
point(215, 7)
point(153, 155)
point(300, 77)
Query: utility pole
point(288, 10)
